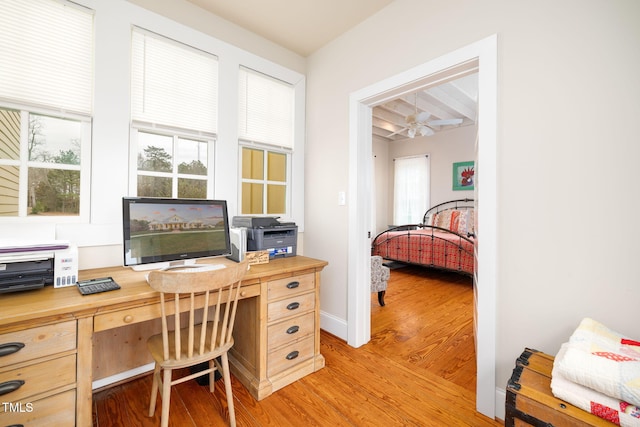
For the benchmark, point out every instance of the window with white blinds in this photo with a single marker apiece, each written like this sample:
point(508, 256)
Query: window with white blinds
point(266, 109)
point(411, 189)
point(173, 84)
point(47, 54)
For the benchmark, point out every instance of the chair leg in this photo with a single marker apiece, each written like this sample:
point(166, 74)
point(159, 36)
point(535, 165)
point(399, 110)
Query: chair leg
point(166, 398)
point(154, 390)
point(381, 297)
point(227, 386)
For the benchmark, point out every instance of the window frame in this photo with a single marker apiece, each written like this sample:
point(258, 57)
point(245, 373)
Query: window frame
point(175, 134)
point(266, 148)
point(23, 163)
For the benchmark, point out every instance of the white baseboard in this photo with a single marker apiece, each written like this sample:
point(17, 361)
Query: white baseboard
point(501, 399)
point(122, 376)
point(334, 325)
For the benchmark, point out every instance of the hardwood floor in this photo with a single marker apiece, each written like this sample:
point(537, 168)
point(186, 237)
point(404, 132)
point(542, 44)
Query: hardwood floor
point(418, 370)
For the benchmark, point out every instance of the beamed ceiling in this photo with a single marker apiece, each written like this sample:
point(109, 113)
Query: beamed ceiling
point(455, 99)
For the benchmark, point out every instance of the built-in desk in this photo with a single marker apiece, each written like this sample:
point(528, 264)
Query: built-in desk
point(60, 341)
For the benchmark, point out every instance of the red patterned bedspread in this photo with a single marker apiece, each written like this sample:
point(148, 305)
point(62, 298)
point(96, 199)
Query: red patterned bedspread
point(429, 247)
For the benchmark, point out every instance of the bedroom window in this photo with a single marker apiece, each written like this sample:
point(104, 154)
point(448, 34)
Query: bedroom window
point(174, 113)
point(45, 109)
point(411, 189)
point(266, 127)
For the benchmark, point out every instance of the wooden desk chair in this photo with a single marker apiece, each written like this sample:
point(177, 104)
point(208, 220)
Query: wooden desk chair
point(197, 340)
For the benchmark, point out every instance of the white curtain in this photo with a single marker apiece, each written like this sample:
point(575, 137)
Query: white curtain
point(411, 189)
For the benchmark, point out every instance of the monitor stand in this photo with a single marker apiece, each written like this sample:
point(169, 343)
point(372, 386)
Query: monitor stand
point(161, 265)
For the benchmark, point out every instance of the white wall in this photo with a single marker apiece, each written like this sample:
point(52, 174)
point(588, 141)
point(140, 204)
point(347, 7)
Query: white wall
point(567, 108)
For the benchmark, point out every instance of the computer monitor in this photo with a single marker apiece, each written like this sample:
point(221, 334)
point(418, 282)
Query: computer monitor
point(162, 232)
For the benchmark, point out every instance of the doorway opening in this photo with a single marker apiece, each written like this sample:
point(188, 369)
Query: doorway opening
point(482, 56)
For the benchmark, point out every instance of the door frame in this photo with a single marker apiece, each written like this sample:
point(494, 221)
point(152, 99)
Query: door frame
point(483, 55)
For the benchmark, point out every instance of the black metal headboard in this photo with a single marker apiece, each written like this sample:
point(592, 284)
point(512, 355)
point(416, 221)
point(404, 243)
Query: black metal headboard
point(451, 204)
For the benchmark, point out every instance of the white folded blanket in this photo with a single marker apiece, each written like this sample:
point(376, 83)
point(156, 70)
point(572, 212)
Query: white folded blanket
point(594, 402)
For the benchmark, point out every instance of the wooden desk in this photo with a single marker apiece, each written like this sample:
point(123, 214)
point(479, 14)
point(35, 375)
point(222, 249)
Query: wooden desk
point(70, 340)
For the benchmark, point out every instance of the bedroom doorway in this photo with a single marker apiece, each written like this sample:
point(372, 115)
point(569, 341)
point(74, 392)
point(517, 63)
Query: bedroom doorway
point(483, 56)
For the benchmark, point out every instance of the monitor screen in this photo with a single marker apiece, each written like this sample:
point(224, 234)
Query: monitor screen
point(158, 232)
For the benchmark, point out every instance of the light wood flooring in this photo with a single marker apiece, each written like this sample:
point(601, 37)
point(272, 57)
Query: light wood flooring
point(418, 370)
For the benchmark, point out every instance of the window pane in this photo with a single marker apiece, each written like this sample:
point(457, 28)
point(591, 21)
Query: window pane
point(153, 186)
point(155, 152)
point(54, 140)
point(191, 157)
point(252, 164)
point(275, 199)
point(54, 192)
point(9, 190)
point(9, 134)
point(192, 188)
point(252, 195)
point(277, 168)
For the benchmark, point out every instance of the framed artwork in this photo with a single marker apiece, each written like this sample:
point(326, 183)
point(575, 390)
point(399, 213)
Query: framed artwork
point(463, 175)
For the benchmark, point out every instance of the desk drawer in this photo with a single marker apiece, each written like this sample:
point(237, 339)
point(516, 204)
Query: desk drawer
point(58, 410)
point(290, 286)
point(289, 356)
point(128, 316)
point(29, 344)
point(290, 330)
point(37, 378)
point(291, 306)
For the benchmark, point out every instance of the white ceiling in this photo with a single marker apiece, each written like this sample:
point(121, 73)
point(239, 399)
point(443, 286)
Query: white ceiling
point(304, 26)
point(455, 99)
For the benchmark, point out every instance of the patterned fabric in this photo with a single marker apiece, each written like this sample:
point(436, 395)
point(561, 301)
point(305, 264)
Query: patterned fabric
point(429, 247)
point(379, 275)
point(459, 221)
point(606, 407)
point(603, 360)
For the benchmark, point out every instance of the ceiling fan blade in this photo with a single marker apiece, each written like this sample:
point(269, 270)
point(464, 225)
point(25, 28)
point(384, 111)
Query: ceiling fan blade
point(444, 122)
point(422, 117)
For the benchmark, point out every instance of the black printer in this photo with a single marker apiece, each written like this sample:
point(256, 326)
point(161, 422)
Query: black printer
point(268, 234)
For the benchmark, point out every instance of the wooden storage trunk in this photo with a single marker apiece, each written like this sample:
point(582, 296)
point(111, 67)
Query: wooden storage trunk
point(530, 401)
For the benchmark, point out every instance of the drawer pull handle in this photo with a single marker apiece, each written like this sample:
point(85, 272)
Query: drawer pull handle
point(293, 355)
point(293, 329)
point(293, 306)
point(9, 386)
point(293, 285)
point(10, 348)
point(128, 318)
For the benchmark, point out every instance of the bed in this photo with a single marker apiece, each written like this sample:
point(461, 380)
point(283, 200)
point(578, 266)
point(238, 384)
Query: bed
point(445, 239)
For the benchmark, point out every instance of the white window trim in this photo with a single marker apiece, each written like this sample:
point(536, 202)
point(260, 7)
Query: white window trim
point(287, 215)
point(174, 133)
point(24, 164)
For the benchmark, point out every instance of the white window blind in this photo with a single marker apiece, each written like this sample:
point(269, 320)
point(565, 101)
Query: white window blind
point(173, 84)
point(47, 54)
point(266, 107)
point(410, 189)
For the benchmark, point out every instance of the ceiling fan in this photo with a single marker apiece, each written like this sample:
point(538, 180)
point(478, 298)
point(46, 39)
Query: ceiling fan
point(419, 122)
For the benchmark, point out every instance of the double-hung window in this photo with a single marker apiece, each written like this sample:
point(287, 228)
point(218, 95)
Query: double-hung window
point(174, 104)
point(46, 48)
point(266, 132)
